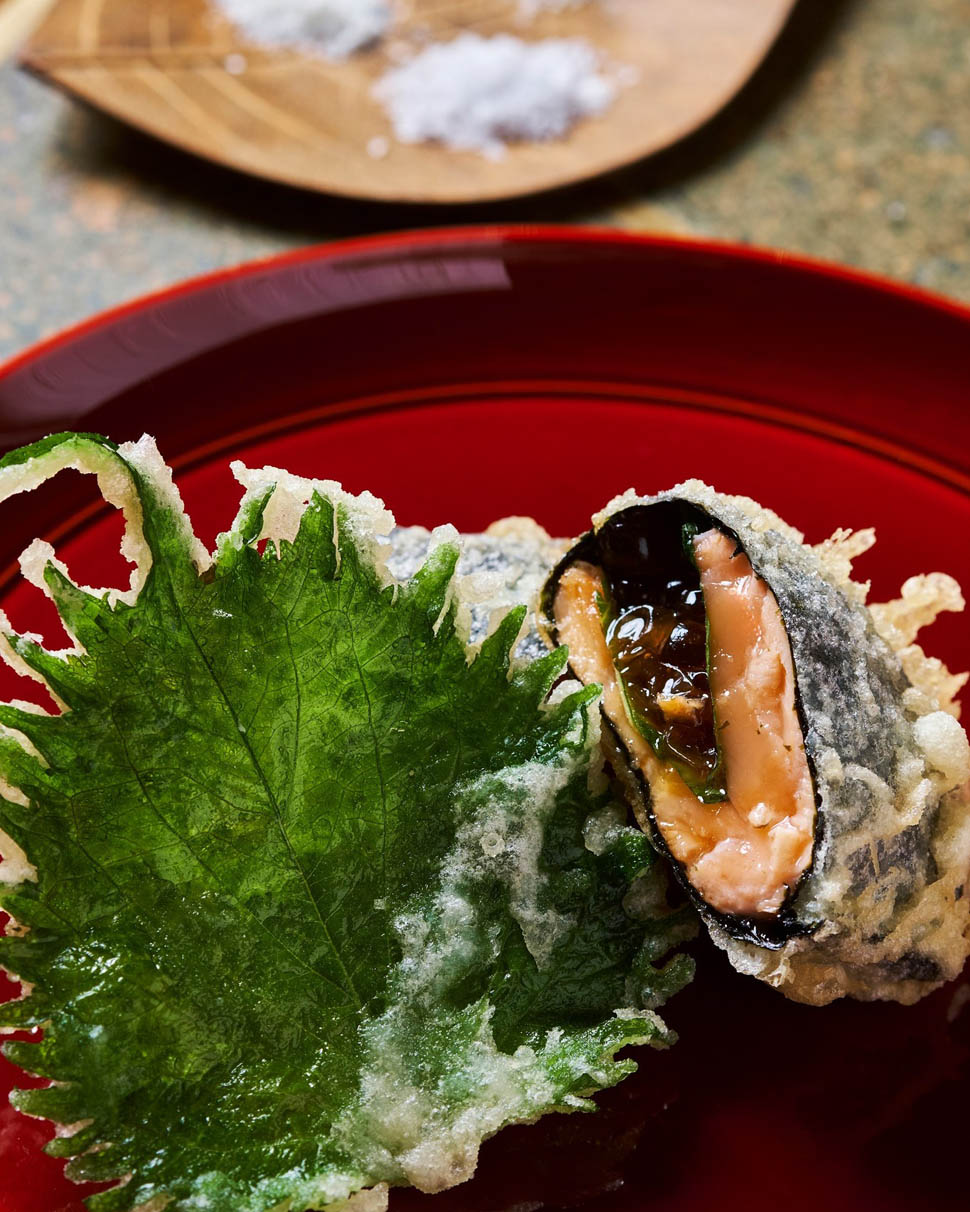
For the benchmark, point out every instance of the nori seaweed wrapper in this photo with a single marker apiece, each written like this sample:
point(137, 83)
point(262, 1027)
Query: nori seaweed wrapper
point(882, 910)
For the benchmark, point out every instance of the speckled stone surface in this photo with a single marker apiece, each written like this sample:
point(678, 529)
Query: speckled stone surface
point(852, 143)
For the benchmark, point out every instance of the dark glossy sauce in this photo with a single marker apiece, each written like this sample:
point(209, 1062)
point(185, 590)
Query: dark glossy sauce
point(660, 653)
point(656, 630)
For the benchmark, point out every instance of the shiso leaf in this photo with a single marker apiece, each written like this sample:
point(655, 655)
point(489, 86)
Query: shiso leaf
point(312, 911)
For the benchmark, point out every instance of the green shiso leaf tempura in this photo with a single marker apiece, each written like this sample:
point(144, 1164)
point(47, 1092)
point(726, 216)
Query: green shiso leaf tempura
point(301, 889)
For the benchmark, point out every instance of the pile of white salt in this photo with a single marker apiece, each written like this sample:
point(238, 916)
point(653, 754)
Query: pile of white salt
point(333, 28)
point(476, 93)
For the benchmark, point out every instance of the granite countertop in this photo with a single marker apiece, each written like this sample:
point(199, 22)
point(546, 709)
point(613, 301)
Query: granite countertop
point(852, 143)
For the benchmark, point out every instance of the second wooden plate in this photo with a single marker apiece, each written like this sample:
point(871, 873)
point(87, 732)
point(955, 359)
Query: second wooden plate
point(177, 70)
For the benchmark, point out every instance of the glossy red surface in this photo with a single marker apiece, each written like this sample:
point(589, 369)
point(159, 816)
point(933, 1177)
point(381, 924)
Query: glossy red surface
point(468, 375)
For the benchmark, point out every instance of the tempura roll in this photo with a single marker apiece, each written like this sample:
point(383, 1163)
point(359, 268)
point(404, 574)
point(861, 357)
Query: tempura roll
point(789, 749)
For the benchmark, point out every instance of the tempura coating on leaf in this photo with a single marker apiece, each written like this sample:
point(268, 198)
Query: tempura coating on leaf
point(302, 896)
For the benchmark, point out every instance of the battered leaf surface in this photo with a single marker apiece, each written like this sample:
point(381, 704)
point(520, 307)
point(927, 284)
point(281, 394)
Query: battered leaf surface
point(313, 910)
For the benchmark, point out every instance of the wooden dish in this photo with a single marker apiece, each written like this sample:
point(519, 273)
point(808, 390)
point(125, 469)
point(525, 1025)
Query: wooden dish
point(161, 65)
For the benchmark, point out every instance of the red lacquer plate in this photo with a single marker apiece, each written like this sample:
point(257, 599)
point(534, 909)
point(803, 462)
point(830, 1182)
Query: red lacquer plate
point(471, 374)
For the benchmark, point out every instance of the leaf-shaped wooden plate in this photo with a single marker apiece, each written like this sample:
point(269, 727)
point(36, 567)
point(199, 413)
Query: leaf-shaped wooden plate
point(161, 65)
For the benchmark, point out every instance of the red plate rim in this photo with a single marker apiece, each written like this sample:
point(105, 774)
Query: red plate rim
point(424, 238)
point(577, 238)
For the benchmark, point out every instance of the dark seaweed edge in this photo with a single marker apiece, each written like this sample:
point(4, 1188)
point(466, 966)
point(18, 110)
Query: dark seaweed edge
point(785, 924)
